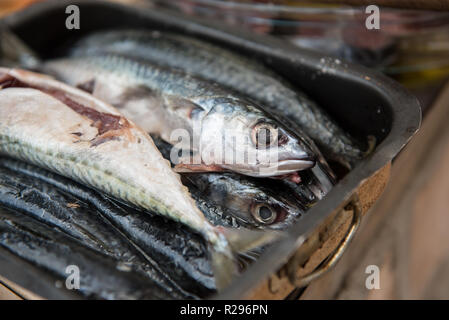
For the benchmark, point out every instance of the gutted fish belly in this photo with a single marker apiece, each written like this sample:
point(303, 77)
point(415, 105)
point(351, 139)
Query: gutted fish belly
point(164, 100)
point(69, 132)
point(235, 71)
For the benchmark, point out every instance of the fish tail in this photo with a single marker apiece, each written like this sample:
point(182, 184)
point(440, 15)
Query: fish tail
point(223, 265)
point(244, 240)
point(14, 52)
point(232, 242)
point(349, 161)
point(371, 142)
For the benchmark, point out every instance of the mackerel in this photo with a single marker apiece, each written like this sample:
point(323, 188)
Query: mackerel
point(235, 71)
point(225, 131)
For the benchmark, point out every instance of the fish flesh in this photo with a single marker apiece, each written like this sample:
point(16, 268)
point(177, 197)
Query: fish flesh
point(235, 71)
point(101, 276)
point(100, 223)
point(69, 132)
point(233, 200)
point(79, 212)
point(225, 131)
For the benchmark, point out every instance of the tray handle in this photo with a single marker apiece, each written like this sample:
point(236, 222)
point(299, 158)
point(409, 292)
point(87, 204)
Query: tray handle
point(332, 260)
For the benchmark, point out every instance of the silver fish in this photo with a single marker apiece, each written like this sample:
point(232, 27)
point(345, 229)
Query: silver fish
point(234, 71)
point(162, 101)
point(248, 202)
point(67, 131)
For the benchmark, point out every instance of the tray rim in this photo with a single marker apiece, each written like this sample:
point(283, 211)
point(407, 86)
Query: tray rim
point(405, 108)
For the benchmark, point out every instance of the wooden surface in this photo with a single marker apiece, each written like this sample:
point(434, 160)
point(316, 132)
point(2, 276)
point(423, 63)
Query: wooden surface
point(11, 291)
point(7, 294)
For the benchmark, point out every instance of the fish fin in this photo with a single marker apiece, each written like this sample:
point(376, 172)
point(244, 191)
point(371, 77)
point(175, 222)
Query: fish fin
point(87, 86)
point(293, 177)
point(245, 240)
point(224, 254)
point(224, 267)
point(14, 52)
point(138, 93)
point(371, 141)
point(184, 107)
point(350, 162)
point(197, 168)
point(245, 259)
point(253, 254)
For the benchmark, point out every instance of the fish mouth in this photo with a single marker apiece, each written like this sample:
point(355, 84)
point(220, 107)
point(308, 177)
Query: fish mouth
point(293, 165)
point(288, 166)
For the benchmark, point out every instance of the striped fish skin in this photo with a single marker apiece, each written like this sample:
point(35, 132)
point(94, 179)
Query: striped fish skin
point(69, 132)
point(162, 100)
point(101, 276)
point(89, 218)
point(165, 251)
point(234, 71)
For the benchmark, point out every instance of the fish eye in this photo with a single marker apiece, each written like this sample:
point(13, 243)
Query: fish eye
point(264, 135)
point(282, 139)
point(264, 214)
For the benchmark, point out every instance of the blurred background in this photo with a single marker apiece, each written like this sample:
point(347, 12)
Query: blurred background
point(411, 46)
point(406, 232)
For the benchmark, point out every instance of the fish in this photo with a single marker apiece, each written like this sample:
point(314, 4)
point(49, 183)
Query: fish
point(167, 252)
point(51, 252)
point(69, 132)
point(246, 201)
point(26, 189)
point(14, 52)
point(225, 131)
point(236, 71)
point(237, 201)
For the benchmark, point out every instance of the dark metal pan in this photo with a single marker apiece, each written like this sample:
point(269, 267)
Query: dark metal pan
point(364, 102)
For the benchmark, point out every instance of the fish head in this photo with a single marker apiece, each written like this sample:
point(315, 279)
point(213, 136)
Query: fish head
point(250, 202)
point(249, 141)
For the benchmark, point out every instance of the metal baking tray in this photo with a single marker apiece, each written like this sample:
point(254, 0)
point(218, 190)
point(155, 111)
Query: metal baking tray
point(364, 102)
